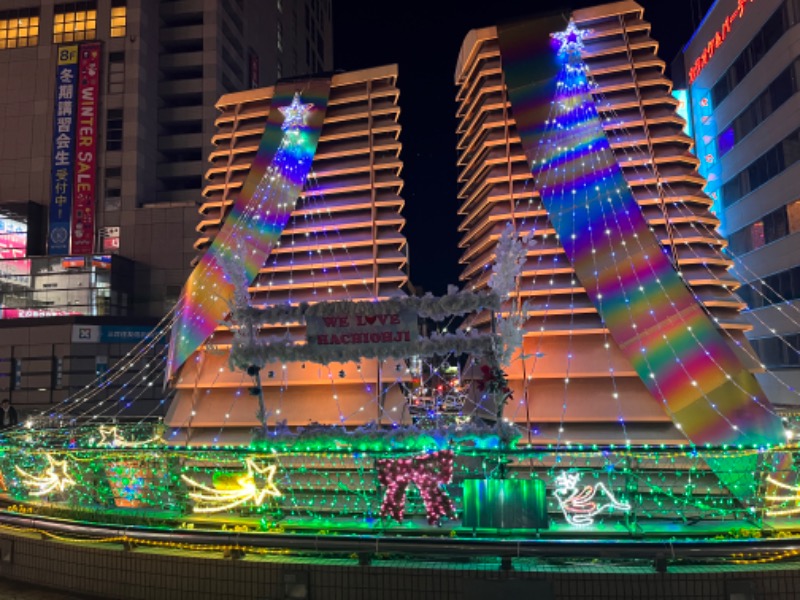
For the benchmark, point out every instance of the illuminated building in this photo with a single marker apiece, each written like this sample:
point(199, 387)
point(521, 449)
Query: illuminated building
point(740, 70)
point(343, 241)
point(575, 383)
point(162, 65)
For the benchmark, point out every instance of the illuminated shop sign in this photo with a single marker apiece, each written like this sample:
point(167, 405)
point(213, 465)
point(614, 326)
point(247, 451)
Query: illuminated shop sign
point(63, 150)
point(83, 207)
point(32, 313)
point(717, 40)
point(13, 248)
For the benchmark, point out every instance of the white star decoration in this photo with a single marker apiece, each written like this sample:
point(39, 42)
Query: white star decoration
point(571, 39)
point(212, 499)
point(116, 440)
point(50, 480)
point(295, 114)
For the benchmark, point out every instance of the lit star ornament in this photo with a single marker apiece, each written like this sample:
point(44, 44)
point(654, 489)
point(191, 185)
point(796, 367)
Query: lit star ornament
point(295, 114)
point(221, 497)
point(109, 436)
point(55, 477)
point(570, 41)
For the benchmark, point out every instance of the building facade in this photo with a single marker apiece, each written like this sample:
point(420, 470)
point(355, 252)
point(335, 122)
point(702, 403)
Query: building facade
point(107, 109)
point(162, 66)
point(574, 384)
point(741, 70)
point(343, 241)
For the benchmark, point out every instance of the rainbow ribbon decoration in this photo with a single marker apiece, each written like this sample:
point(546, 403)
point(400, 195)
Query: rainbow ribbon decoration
point(655, 319)
point(257, 217)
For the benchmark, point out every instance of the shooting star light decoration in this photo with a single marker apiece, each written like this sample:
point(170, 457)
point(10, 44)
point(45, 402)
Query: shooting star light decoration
point(109, 436)
point(782, 499)
point(55, 477)
point(224, 496)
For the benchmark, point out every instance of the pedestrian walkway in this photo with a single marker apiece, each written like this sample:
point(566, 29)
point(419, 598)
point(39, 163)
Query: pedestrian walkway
point(15, 590)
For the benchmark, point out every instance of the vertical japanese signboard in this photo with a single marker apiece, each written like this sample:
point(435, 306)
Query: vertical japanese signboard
point(63, 151)
point(83, 206)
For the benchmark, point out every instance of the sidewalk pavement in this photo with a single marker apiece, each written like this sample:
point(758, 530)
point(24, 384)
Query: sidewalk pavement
point(16, 590)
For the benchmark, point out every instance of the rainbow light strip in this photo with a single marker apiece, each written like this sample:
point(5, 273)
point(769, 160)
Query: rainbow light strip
point(257, 217)
point(662, 329)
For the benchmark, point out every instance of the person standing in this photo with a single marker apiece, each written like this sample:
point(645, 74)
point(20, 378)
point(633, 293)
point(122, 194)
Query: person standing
point(9, 415)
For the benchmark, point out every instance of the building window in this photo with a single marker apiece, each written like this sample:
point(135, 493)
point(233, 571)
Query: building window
point(772, 289)
point(777, 353)
point(783, 87)
point(770, 228)
point(75, 22)
point(116, 72)
point(19, 28)
point(770, 164)
point(119, 18)
point(114, 129)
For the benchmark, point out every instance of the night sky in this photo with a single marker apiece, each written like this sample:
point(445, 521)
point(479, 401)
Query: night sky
point(425, 45)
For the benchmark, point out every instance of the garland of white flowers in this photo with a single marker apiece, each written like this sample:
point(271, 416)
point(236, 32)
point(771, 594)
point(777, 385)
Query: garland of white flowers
point(454, 303)
point(511, 253)
point(248, 350)
point(280, 349)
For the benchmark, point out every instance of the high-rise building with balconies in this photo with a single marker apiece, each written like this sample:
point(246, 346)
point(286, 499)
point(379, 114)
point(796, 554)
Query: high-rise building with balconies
point(343, 241)
point(575, 384)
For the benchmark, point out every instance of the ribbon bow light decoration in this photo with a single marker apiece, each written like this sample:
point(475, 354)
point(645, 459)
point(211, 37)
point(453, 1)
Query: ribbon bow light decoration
point(429, 473)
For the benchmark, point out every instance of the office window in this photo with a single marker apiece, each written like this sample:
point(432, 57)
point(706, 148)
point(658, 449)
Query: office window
point(116, 72)
point(75, 22)
point(793, 216)
point(119, 18)
point(19, 28)
point(114, 129)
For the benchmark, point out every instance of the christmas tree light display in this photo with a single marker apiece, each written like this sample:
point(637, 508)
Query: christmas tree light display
point(653, 317)
point(256, 220)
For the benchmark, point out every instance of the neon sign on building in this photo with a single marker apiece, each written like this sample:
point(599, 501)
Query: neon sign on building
point(717, 40)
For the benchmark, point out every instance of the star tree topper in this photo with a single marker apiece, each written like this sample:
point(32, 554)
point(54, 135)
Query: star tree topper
point(570, 41)
point(295, 114)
